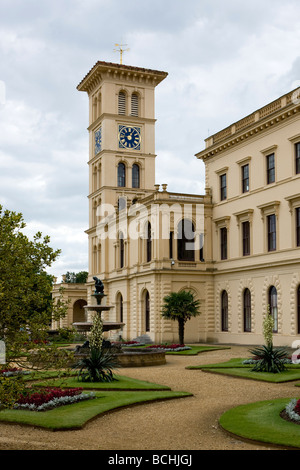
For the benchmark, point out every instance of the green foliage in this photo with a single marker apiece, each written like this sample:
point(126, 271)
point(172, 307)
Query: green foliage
point(26, 304)
point(269, 358)
point(65, 335)
point(97, 367)
point(180, 306)
point(25, 286)
point(10, 390)
point(77, 278)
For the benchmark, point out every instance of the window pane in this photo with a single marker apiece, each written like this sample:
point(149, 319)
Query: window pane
point(245, 178)
point(135, 176)
point(121, 175)
point(224, 311)
point(271, 168)
point(246, 238)
point(147, 312)
point(271, 232)
point(149, 243)
point(223, 187)
point(121, 241)
point(247, 310)
point(297, 155)
point(273, 307)
point(185, 241)
point(223, 234)
point(298, 226)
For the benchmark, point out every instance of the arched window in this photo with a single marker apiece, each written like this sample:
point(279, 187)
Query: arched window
point(121, 175)
point(247, 310)
point(134, 104)
point(273, 307)
point(147, 311)
point(120, 308)
point(122, 102)
point(135, 176)
point(121, 250)
point(185, 241)
point(224, 311)
point(79, 311)
point(149, 243)
point(298, 308)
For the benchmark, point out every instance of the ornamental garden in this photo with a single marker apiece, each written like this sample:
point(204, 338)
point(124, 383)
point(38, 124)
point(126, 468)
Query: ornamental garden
point(44, 384)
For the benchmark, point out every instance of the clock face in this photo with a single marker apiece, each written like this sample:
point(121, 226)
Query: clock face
point(130, 137)
point(98, 140)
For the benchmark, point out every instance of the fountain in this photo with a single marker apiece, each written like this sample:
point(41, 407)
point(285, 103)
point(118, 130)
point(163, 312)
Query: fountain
point(131, 357)
point(85, 327)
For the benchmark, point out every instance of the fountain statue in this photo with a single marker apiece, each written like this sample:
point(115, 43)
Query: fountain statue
point(98, 308)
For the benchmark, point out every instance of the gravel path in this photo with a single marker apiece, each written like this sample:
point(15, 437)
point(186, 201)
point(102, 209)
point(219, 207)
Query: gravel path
point(186, 424)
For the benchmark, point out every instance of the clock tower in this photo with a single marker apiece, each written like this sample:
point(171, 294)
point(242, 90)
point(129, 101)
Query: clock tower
point(121, 141)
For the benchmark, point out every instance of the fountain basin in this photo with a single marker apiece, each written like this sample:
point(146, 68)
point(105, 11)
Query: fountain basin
point(141, 357)
point(85, 327)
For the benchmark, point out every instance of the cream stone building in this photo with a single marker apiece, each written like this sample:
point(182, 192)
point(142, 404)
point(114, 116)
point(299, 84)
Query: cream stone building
point(236, 247)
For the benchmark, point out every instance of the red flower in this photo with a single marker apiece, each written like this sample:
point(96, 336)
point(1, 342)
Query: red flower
point(297, 407)
point(47, 394)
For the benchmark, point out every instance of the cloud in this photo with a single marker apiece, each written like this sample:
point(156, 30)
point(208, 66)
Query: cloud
point(224, 59)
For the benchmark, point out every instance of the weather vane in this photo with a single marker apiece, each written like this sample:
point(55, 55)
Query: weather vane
point(121, 50)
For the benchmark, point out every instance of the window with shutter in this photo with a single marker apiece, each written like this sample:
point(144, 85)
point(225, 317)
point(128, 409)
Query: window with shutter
point(134, 105)
point(122, 103)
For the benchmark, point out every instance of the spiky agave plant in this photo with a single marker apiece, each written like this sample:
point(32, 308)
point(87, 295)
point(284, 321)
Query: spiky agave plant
point(97, 367)
point(270, 358)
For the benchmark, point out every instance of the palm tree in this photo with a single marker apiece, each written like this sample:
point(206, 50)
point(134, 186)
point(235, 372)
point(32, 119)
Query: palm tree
point(180, 306)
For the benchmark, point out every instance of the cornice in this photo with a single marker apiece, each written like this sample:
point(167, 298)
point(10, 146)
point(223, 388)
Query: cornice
point(251, 126)
point(119, 72)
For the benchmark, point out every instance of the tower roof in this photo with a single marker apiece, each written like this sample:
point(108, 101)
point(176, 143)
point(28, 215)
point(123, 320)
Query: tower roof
point(111, 69)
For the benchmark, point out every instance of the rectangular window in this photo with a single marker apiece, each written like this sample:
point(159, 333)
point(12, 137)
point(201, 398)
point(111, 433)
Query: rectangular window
point(201, 251)
point(271, 232)
point(171, 244)
point(245, 178)
point(297, 157)
point(298, 226)
point(271, 168)
point(246, 238)
point(223, 186)
point(223, 235)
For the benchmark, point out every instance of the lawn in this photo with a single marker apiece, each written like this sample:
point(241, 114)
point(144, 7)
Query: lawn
point(122, 392)
point(75, 416)
point(261, 422)
point(120, 383)
point(196, 350)
point(235, 367)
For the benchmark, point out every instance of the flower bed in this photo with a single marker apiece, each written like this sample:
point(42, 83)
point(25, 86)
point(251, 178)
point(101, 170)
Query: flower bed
point(50, 397)
point(11, 371)
point(169, 347)
point(292, 410)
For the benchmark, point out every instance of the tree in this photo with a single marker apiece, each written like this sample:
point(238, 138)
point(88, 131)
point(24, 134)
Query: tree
point(25, 287)
point(78, 278)
point(180, 306)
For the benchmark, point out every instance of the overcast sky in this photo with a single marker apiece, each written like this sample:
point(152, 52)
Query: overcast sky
point(225, 59)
